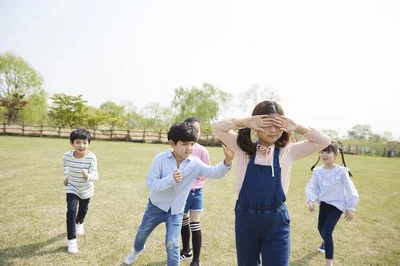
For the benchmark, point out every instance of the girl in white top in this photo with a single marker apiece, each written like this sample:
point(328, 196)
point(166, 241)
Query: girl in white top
point(332, 187)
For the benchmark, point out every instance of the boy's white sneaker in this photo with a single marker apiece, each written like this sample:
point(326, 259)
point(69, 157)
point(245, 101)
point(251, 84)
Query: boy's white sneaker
point(133, 256)
point(79, 229)
point(73, 246)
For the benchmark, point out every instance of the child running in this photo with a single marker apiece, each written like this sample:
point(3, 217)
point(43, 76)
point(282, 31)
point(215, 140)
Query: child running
point(262, 223)
point(332, 187)
point(169, 179)
point(80, 171)
point(194, 206)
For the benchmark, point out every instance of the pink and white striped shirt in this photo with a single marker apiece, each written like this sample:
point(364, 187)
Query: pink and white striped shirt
point(201, 152)
point(317, 141)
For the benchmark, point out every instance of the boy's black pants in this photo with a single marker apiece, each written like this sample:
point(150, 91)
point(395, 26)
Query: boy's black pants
point(72, 209)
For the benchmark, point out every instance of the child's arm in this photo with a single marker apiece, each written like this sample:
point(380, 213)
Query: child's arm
point(205, 158)
point(92, 174)
point(352, 196)
point(312, 192)
point(155, 181)
point(316, 140)
point(224, 130)
point(65, 172)
point(221, 169)
point(229, 155)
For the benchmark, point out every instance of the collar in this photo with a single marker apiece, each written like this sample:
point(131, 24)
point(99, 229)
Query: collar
point(170, 154)
point(262, 150)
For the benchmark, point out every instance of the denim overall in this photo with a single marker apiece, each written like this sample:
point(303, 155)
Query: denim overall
point(261, 217)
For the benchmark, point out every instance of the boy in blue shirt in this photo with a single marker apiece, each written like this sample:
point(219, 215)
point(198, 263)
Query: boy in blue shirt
point(169, 179)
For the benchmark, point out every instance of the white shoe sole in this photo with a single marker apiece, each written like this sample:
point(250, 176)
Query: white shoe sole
point(73, 251)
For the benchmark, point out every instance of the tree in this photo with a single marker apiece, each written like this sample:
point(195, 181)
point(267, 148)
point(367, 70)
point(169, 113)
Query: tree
point(18, 81)
point(388, 136)
point(331, 133)
point(94, 117)
point(255, 94)
point(36, 110)
point(203, 103)
point(68, 110)
point(132, 119)
point(375, 137)
point(156, 116)
point(13, 103)
point(359, 132)
point(113, 113)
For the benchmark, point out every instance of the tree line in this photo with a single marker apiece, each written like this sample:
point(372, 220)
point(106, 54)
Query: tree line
point(23, 99)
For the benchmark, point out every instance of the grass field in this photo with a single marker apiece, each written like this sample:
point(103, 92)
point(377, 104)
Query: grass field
point(32, 207)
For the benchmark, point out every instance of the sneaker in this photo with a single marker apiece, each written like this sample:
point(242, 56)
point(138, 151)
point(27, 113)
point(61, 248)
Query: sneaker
point(79, 229)
point(133, 256)
point(194, 263)
point(185, 256)
point(73, 246)
point(321, 248)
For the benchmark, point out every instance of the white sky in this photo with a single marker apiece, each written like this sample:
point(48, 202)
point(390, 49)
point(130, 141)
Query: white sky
point(334, 63)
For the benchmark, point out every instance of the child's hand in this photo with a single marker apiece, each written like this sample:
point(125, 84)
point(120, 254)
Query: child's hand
point(85, 174)
point(229, 155)
point(65, 182)
point(348, 215)
point(311, 206)
point(285, 124)
point(177, 176)
point(258, 122)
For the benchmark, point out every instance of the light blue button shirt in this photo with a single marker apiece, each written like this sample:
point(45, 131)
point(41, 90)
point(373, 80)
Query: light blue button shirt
point(164, 192)
point(333, 186)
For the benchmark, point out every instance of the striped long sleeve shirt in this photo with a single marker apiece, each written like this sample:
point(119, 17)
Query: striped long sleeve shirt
point(72, 168)
point(333, 186)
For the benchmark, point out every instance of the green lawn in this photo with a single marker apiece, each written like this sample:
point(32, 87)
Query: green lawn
point(32, 207)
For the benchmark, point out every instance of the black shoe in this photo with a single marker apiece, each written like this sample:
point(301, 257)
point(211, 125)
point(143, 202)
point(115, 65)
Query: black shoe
point(321, 248)
point(185, 256)
point(194, 263)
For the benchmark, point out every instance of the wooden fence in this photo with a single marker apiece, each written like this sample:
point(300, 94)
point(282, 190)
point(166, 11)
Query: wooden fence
point(133, 135)
point(148, 136)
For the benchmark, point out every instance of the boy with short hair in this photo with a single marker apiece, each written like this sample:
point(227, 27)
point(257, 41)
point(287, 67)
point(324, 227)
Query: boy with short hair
point(80, 171)
point(169, 180)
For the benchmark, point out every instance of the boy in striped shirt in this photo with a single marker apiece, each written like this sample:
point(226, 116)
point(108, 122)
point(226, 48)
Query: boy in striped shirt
point(80, 172)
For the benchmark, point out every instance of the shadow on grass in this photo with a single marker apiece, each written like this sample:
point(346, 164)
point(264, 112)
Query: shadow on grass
point(305, 260)
point(160, 263)
point(30, 250)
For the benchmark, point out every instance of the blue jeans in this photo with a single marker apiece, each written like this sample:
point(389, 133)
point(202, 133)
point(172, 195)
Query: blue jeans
point(327, 219)
point(262, 231)
point(194, 200)
point(152, 217)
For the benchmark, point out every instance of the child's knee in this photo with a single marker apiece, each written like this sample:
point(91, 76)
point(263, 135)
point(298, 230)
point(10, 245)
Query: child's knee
point(326, 234)
point(171, 245)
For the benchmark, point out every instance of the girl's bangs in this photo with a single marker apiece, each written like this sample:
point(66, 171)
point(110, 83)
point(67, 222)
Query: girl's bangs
point(329, 149)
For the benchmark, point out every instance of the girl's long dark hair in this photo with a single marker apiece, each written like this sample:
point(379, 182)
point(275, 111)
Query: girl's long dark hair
point(333, 147)
point(263, 108)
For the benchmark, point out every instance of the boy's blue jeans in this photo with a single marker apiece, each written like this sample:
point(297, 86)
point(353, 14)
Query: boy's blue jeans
point(152, 217)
